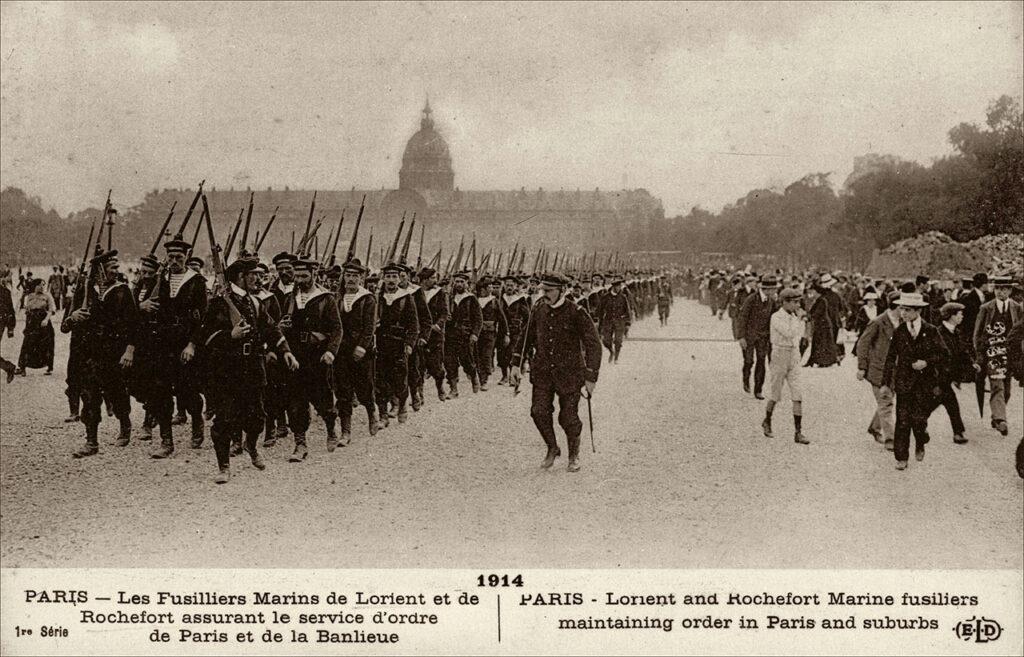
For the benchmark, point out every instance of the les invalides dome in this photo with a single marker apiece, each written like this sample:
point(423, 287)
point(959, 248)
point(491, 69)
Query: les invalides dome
point(426, 163)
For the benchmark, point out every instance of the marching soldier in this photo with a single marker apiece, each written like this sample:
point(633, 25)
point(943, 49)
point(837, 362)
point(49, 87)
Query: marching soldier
point(616, 316)
point(110, 327)
point(462, 334)
point(433, 351)
point(566, 356)
point(312, 326)
point(426, 321)
point(516, 308)
point(493, 331)
point(397, 334)
point(266, 298)
point(354, 367)
point(277, 391)
point(177, 304)
point(237, 364)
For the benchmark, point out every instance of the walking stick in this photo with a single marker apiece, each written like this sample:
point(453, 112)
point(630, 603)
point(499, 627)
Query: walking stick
point(590, 417)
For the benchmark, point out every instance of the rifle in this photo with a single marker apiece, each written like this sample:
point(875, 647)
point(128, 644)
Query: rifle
point(512, 259)
point(260, 238)
point(309, 220)
point(98, 250)
point(408, 240)
point(419, 258)
point(458, 257)
point(218, 268)
point(245, 231)
point(195, 236)
point(292, 250)
point(355, 234)
point(80, 282)
point(234, 234)
point(163, 265)
point(369, 247)
point(163, 229)
point(394, 244)
point(334, 247)
point(191, 209)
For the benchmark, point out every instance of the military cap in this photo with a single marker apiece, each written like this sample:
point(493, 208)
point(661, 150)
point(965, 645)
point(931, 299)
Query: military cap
point(464, 275)
point(553, 279)
point(392, 268)
point(510, 277)
point(262, 268)
point(949, 309)
point(790, 293)
point(373, 277)
point(283, 256)
point(354, 266)
point(177, 245)
point(196, 260)
point(426, 273)
point(240, 266)
point(103, 257)
point(304, 264)
point(149, 260)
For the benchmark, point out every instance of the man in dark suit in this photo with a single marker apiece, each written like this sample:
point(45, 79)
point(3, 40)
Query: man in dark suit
point(972, 299)
point(959, 367)
point(912, 369)
point(7, 322)
point(754, 333)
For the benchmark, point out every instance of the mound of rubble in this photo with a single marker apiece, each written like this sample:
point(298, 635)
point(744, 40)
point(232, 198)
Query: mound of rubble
point(941, 257)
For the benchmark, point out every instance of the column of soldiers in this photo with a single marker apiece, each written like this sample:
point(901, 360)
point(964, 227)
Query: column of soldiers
point(258, 355)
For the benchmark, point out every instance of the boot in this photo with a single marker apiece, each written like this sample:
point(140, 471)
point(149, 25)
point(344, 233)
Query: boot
point(403, 412)
point(766, 427)
point(198, 431)
point(223, 476)
point(346, 431)
point(617, 354)
point(801, 439)
point(332, 437)
point(147, 432)
point(483, 384)
point(269, 438)
point(476, 383)
point(179, 419)
point(281, 431)
point(166, 443)
point(374, 424)
point(503, 381)
point(393, 407)
point(236, 446)
point(574, 454)
point(384, 420)
point(125, 435)
point(416, 403)
point(72, 408)
point(453, 389)
point(299, 455)
point(549, 459)
point(91, 446)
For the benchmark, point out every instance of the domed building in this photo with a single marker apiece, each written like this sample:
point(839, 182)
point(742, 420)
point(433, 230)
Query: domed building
point(571, 220)
point(426, 163)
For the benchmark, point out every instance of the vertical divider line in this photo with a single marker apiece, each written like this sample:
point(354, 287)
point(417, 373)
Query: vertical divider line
point(499, 618)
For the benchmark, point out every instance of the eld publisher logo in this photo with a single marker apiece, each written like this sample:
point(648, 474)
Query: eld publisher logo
point(980, 630)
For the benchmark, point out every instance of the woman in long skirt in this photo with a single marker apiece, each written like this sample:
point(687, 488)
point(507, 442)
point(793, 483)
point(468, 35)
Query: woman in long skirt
point(823, 335)
point(37, 345)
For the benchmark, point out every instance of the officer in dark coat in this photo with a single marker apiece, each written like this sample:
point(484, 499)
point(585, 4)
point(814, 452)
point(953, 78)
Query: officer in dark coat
point(313, 330)
point(354, 366)
point(178, 305)
point(753, 328)
point(913, 369)
point(462, 334)
point(110, 326)
point(236, 363)
point(565, 356)
point(616, 316)
point(433, 350)
point(397, 334)
point(516, 308)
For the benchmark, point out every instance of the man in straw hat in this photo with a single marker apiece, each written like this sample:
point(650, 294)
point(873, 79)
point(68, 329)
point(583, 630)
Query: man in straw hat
point(913, 369)
point(787, 329)
point(565, 356)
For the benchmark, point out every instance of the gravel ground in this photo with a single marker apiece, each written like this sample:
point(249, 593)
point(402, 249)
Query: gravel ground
point(682, 478)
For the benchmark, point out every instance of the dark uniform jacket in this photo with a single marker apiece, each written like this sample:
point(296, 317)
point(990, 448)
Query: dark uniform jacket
point(238, 364)
point(562, 345)
point(517, 313)
point(358, 321)
point(180, 318)
point(398, 319)
point(437, 304)
point(905, 350)
point(594, 301)
point(423, 315)
point(316, 328)
point(615, 307)
point(492, 317)
point(113, 322)
point(755, 318)
point(466, 318)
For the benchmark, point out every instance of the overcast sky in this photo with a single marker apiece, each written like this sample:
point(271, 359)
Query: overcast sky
point(698, 103)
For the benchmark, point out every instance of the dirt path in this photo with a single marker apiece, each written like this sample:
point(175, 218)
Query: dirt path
point(682, 478)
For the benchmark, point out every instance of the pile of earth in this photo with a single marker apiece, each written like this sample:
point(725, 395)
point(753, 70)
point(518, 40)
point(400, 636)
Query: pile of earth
point(941, 257)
